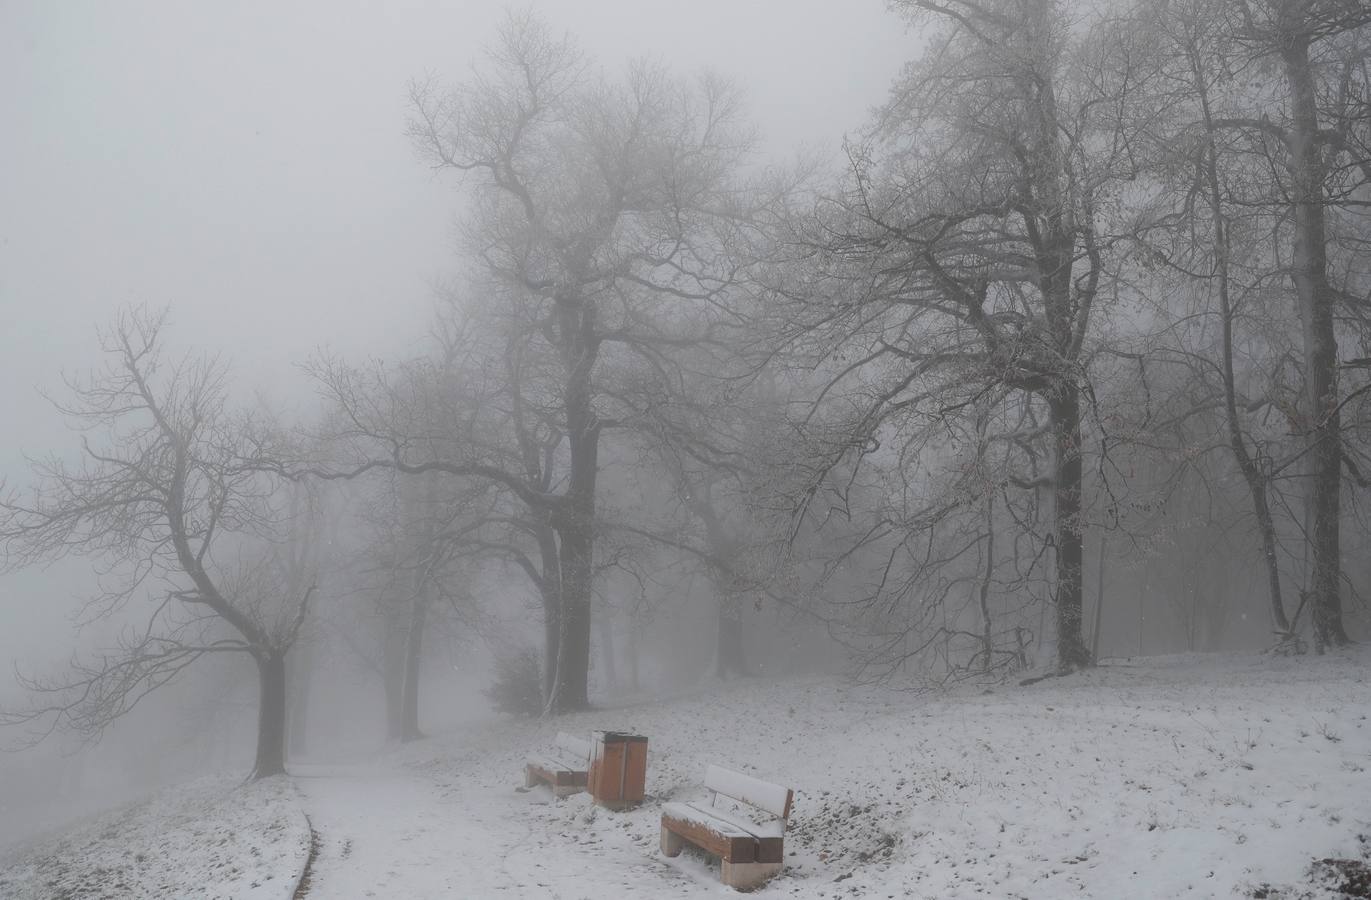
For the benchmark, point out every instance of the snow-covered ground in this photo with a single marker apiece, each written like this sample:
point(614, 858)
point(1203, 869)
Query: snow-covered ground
point(212, 838)
point(1187, 776)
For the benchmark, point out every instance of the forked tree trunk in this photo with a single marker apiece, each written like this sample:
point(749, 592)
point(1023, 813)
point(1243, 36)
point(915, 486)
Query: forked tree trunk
point(271, 714)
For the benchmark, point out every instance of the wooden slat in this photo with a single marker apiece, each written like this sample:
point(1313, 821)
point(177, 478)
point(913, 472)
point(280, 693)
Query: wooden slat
point(753, 791)
point(770, 850)
point(576, 748)
point(734, 848)
point(557, 777)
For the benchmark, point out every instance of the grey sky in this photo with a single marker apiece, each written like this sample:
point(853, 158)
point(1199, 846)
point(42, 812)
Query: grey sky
point(245, 163)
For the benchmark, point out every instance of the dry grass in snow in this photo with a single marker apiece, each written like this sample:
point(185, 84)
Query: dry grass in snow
point(1187, 776)
point(209, 839)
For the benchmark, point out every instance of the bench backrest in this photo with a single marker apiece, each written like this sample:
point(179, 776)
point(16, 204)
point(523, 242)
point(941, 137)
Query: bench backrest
point(577, 748)
point(753, 791)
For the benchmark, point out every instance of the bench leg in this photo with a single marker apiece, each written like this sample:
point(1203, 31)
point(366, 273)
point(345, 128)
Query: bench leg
point(672, 843)
point(566, 790)
point(530, 780)
point(748, 875)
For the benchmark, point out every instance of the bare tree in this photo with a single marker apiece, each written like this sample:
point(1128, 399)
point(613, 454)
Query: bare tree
point(1264, 152)
point(965, 259)
point(599, 215)
point(170, 500)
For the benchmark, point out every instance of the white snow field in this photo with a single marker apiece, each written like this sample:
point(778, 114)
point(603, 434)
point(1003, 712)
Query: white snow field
point(1184, 776)
point(210, 839)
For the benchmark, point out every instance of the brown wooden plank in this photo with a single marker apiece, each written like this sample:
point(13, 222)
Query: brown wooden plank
point(770, 849)
point(603, 776)
point(740, 848)
point(570, 778)
point(635, 770)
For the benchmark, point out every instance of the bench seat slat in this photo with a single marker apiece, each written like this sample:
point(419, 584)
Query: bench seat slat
point(742, 819)
point(553, 763)
point(710, 833)
point(689, 812)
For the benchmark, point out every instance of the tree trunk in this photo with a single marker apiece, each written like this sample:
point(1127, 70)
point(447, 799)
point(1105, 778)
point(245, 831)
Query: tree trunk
point(1099, 597)
point(1252, 474)
point(604, 628)
point(550, 589)
point(728, 644)
point(271, 715)
point(414, 645)
point(572, 675)
point(301, 672)
point(983, 594)
point(729, 659)
point(571, 692)
point(632, 654)
point(1064, 405)
point(574, 519)
point(393, 673)
point(1309, 270)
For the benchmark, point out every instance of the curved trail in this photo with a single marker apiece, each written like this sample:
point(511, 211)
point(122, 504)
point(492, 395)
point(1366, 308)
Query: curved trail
point(384, 832)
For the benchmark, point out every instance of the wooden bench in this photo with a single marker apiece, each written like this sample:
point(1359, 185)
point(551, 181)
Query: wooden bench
point(751, 846)
point(564, 769)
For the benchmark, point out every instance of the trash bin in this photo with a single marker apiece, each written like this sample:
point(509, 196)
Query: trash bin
point(618, 769)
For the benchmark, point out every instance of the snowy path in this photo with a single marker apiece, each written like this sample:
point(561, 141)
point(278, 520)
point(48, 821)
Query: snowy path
point(391, 833)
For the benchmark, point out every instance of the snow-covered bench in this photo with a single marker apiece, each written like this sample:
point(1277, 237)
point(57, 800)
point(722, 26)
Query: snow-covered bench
point(564, 769)
point(746, 830)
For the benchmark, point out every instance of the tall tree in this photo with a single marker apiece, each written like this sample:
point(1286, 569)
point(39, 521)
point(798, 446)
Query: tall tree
point(1325, 129)
point(172, 501)
point(599, 217)
point(965, 258)
point(1269, 123)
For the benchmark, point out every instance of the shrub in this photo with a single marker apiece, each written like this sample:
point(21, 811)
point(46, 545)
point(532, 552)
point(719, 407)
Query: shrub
point(518, 685)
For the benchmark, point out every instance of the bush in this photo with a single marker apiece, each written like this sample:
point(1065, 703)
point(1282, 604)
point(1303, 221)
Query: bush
point(518, 685)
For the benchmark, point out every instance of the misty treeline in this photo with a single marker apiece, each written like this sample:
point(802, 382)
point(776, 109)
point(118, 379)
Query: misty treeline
point(1084, 314)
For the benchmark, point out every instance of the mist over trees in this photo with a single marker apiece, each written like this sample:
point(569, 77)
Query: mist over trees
point(1068, 359)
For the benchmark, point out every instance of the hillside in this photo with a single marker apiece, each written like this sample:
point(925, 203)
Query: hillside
point(1184, 776)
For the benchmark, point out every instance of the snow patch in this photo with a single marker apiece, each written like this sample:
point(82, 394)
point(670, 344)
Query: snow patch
point(213, 838)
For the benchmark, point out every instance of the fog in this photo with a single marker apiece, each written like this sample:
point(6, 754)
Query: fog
point(379, 371)
point(247, 167)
